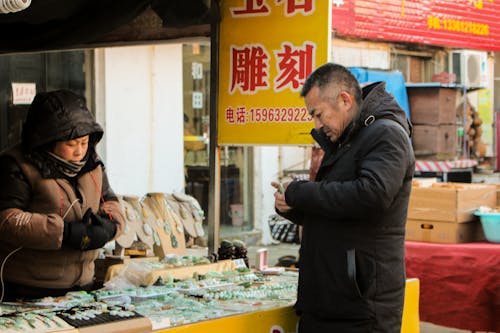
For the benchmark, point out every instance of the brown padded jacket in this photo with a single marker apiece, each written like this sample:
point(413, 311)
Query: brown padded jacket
point(42, 261)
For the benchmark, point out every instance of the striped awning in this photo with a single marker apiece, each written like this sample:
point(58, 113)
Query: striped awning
point(443, 166)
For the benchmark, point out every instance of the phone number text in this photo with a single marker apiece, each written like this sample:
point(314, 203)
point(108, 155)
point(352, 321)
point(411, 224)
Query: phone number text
point(242, 115)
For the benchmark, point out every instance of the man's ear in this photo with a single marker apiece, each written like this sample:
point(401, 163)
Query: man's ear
point(346, 99)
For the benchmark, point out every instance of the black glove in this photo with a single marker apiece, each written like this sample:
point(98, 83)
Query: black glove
point(105, 222)
point(91, 233)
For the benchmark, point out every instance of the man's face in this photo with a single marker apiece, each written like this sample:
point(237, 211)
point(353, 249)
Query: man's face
point(331, 114)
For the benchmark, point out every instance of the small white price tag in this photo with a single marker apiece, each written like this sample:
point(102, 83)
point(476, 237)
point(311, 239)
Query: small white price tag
point(239, 263)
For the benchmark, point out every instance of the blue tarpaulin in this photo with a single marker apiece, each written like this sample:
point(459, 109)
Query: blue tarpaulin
point(394, 83)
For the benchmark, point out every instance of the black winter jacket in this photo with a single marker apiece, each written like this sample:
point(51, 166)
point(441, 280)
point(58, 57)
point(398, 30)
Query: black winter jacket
point(353, 217)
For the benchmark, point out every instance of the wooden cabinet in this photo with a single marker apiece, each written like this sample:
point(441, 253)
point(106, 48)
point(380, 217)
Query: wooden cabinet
point(432, 105)
point(433, 112)
point(437, 142)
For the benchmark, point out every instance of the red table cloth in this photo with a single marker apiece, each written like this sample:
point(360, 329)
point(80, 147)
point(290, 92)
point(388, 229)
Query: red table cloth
point(459, 283)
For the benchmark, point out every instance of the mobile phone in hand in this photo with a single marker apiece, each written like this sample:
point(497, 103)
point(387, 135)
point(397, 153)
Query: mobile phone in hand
point(281, 190)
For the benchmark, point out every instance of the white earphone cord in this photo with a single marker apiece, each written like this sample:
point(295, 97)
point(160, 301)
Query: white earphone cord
point(19, 248)
point(1, 270)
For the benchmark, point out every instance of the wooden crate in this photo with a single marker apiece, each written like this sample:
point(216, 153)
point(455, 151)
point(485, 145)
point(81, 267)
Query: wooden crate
point(450, 202)
point(435, 140)
point(443, 232)
point(432, 105)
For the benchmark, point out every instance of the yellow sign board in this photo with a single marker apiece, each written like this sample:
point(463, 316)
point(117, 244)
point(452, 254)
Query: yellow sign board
point(277, 320)
point(484, 106)
point(267, 49)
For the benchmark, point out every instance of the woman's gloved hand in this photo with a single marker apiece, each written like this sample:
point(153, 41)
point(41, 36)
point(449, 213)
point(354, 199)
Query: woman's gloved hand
point(91, 233)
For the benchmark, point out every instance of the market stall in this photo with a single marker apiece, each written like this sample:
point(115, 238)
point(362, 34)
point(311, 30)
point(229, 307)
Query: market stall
point(238, 300)
point(459, 283)
point(129, 304)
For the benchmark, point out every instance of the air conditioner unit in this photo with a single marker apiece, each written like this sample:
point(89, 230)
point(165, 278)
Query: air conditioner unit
point(470, 67)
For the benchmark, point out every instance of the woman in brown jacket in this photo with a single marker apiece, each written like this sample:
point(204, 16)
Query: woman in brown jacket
point(56, 206)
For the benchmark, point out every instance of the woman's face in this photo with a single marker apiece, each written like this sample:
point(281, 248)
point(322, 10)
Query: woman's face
point(72, 150)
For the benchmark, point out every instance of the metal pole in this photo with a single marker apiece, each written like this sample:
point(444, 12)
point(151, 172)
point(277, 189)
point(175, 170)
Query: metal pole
point(466, 153)
point(214, 149)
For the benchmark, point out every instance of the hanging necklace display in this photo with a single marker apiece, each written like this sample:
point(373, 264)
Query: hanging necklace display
point(173, 239)
point(182, 206)
point(131, 224)
point(143, 229)
point(198, 215)
point(173, 216)
point(170, 231)
point(153, 222)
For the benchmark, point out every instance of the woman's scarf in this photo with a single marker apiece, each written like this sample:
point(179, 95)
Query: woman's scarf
point(69, 168)
point(52, 166)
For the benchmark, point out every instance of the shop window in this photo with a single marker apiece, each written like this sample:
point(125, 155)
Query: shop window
point(415, 67)
point(196, 81)
point(25, 74)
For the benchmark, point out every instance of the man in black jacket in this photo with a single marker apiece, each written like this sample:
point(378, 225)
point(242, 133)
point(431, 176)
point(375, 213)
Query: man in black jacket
point(352, 274)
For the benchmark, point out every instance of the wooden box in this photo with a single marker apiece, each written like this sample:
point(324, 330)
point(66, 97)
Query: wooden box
point(437, 140)
point(432, 105)
point(443, 232)
point(450, 202)
point(498, 195)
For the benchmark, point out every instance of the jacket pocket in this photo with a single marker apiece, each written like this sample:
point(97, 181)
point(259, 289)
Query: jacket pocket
point(361, 273)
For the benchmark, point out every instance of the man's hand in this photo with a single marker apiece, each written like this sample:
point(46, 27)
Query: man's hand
point(279, 197)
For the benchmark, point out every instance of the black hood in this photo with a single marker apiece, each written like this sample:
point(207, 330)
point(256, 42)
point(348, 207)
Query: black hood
point(58, 116)
point(378, 104)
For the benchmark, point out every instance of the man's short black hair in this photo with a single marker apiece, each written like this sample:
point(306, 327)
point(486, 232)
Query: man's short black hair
point(331, 73)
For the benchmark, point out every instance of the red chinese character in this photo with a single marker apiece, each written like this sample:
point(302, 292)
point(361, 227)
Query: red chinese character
point(294, 65)
point(292, 7)
point(252, 8)
point(230, 115)
point(241, 115)
point(249, 69)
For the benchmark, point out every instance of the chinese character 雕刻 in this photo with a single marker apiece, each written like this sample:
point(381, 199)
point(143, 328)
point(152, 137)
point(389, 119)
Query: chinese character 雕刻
point(249, 69)
point(294, 64)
